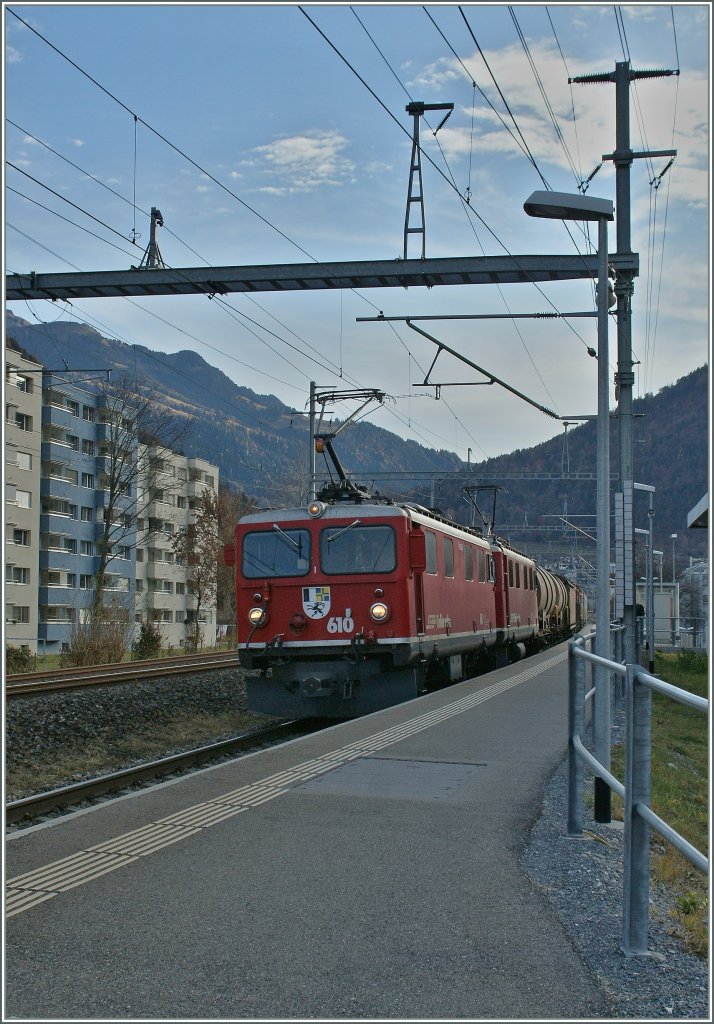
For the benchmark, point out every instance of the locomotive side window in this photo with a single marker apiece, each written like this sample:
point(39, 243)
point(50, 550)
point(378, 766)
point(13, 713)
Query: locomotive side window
point(448, 556)
point(491, 569)
point(481, 566)
point(468, 562)
point(510, 573)
point(358, 549)
point(430, 552)
point(277, 552)
point(518, 575)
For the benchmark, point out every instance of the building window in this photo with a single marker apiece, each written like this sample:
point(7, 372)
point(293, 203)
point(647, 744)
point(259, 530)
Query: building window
point(24, 499)
point(17, 613)
point(88, 480)
point(73, 407)
point(22, 421)
point(86, 582)
point(88, 448)
point(180, 589)
point(86, 547)
point(21, 537)
point(87, 514)
point(88, 413)
point(17, 574)
point(23, 460)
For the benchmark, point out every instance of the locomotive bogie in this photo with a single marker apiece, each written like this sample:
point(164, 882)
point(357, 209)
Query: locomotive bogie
point(333, 688)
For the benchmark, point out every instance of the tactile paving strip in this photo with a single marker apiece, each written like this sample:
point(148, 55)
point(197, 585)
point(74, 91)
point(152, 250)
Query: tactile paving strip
point(35, 887)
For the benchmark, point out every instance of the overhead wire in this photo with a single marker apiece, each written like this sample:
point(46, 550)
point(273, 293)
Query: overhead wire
point(181, 152)
point(541, 88)
point(472, 211)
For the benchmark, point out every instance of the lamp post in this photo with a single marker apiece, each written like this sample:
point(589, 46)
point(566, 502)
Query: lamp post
point(674, 537)
point(566, 206)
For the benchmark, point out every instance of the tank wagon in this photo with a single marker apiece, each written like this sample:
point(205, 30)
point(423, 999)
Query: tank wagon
point(350, 606)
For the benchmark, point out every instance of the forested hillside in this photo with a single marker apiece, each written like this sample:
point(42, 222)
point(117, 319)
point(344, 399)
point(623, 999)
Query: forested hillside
point(259, 444)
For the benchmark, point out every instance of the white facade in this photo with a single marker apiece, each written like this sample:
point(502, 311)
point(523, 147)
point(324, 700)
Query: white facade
point(170, 487)
point(23, 422)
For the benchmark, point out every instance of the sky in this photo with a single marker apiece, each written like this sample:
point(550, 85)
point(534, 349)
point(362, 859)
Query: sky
point(274, 133)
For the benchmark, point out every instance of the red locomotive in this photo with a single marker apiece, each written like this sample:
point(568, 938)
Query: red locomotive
point(351, 605)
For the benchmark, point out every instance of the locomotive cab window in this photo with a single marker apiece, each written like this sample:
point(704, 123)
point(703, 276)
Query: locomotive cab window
point(276, 552)
point(358, 549)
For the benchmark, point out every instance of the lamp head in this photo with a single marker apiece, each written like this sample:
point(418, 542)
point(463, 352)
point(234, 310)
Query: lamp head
point(568, 206)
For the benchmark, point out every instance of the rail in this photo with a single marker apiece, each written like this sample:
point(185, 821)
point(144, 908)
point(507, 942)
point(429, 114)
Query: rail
point(639, 816)
point(25, 683)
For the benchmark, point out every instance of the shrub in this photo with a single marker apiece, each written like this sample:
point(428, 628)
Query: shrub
point(103, 638)
point(18, 659)
point(149, 642)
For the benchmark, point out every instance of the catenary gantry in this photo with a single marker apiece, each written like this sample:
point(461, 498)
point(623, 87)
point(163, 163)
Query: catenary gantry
point(397, 273)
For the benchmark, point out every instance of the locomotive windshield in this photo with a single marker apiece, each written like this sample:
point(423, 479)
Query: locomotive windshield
point(276, 552)
point(358, 549)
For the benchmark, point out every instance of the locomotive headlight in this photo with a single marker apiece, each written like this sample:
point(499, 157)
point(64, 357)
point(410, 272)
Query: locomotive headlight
point(379, 611)
point(315, 509)
point(257, 616)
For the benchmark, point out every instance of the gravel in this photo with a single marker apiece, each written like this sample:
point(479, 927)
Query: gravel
point(583, 880)
point(40, 728)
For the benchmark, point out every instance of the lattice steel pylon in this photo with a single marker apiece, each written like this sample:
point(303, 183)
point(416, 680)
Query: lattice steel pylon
point(152, 259)
point(417, 110)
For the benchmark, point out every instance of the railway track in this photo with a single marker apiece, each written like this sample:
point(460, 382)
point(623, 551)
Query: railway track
point(23, 684)
point(29, 808)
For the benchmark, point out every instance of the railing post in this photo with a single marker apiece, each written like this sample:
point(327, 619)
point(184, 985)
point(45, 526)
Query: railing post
point(637, 831)
point(619, 681)
point(576, 708)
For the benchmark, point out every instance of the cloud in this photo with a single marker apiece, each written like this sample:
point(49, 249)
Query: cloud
point(302, 163)
point(77, 142)
point(665, 111)
point(12, 56)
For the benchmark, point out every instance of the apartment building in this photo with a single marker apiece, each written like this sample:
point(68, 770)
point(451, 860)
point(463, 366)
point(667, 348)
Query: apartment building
point(23, 415)
point(79, 433)
point(70, 515)
point(170, 488)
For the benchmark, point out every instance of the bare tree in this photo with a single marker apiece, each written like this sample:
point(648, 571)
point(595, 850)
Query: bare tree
point(197, 547)
point(232, 505)
point(136, 434)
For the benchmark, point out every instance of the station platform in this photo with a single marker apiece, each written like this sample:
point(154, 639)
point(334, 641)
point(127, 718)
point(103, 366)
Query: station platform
point(369, 871)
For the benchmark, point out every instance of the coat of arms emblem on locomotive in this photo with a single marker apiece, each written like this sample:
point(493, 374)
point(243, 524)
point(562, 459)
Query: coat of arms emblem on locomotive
point(316, 601)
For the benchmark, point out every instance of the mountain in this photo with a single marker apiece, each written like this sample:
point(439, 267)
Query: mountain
point(261, 445)
point(671, 442)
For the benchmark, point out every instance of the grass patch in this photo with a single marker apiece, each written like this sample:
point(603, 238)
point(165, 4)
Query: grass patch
point(679, 792)
point(109, 753)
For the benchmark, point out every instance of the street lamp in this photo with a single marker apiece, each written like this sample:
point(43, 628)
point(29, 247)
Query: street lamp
point(674, 537)
point(567, 206)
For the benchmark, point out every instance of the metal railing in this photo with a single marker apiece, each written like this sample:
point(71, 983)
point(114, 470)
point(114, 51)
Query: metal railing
point(639, 816)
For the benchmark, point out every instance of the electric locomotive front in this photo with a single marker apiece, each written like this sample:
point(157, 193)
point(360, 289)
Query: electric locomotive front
point(326, 601)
